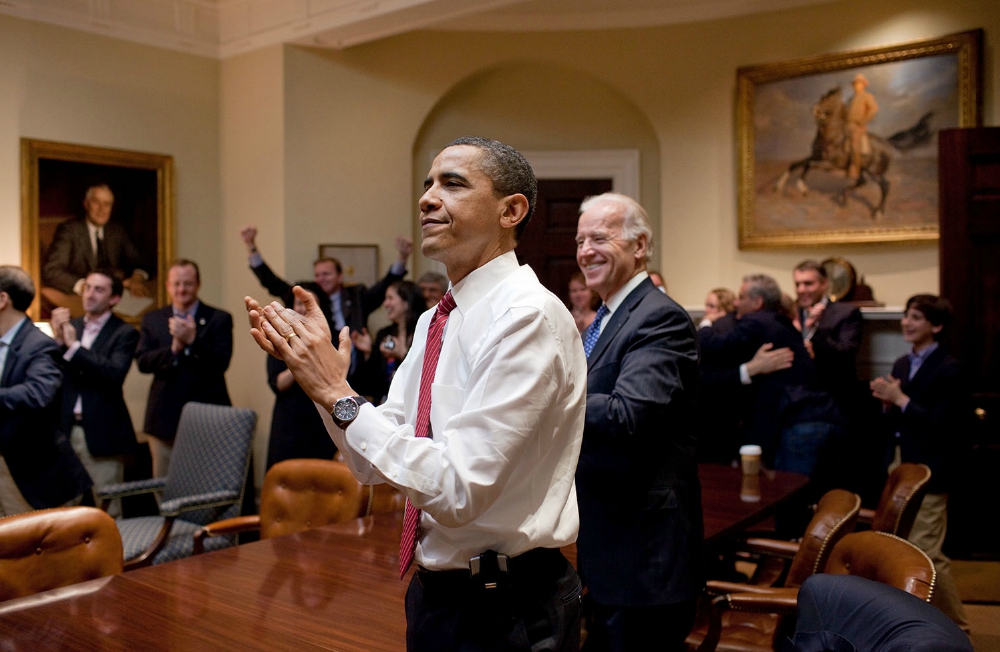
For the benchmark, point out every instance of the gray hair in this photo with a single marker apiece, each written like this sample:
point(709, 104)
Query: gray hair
point(765, 287)
point(18, 285)
point(636, 219)
point(434, 277)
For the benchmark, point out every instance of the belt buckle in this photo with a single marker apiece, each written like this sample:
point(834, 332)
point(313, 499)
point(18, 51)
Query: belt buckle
point(490, 569)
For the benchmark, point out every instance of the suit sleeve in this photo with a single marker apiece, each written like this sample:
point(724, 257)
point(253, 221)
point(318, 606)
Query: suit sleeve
point(153, 355)
point(274, 284)
point(55, 273)
point(935, 411)
point(42, 379)
point(106, 370)
point(372, 298)
point(657, 362)
point(845, 339)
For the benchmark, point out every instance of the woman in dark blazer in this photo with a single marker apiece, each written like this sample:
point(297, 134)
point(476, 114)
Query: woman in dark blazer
point(297, 430)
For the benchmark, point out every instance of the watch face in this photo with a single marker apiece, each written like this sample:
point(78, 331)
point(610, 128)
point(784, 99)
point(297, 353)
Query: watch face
point(345, 409)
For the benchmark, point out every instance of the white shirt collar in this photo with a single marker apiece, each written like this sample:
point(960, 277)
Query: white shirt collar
point(616, 298)
point(481, 280)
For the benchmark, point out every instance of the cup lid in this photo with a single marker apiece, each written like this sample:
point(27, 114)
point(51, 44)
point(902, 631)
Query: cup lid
point(750, 449)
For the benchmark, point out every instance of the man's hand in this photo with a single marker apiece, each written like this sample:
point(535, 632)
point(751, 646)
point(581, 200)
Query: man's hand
point(888, 390)
point(766, 361)
point(362, 341)
point(404, 246)
point(814, 313)
point(249, 235)
point(183, 331)
point(62, 330)
point(809, 349)
point(136, 284)
point(304, 343)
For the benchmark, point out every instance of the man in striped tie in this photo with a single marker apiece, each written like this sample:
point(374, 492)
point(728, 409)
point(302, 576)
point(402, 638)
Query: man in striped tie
point(482, 426)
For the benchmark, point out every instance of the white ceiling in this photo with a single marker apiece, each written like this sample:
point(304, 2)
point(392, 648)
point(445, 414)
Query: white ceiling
point(223, 28)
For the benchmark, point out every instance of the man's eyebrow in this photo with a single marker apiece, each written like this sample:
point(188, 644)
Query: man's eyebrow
point(445, 176)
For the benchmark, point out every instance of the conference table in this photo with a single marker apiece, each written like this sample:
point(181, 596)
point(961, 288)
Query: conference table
point(331, 588)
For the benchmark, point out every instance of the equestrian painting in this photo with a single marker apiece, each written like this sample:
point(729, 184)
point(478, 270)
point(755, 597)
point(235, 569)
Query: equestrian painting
point(836, 152)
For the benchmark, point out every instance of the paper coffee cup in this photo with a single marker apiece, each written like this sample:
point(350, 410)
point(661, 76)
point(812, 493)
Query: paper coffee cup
point(750, 459)
point(750, 489)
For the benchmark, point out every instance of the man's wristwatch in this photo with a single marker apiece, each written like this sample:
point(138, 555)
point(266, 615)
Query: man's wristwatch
point(345, 410)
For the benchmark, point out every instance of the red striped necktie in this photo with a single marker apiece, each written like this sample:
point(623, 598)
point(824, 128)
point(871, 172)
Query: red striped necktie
point(435, 338)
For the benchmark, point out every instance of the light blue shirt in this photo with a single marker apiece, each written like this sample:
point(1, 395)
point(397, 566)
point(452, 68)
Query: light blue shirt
point(7, 340)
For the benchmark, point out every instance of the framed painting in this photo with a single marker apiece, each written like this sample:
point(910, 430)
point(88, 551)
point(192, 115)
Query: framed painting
point(358, 262)
point(842, 148)
point(67, 191)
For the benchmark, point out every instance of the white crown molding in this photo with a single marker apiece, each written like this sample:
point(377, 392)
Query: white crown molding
point(621, 165)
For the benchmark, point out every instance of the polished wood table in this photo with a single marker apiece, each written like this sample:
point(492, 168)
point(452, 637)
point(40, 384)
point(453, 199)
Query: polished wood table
point(331, 588)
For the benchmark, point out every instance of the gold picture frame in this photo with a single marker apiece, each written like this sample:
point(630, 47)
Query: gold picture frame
point(54, 179)
point(795, 186)
point(359, 263)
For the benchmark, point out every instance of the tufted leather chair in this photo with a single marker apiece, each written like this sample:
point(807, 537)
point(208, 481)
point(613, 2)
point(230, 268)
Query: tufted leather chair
point(52, 548)
point(873, 555)
point(835, 516)
point(900, 501)
point(298, 494)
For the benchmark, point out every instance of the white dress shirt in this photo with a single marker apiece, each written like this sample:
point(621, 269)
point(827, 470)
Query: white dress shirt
point(507, 413)
point(618, 298)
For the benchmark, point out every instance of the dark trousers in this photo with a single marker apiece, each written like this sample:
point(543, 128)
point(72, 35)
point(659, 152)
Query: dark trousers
point(539, 611)
point(614, 628)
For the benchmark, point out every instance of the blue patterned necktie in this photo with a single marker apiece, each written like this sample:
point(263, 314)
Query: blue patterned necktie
point(594, 330)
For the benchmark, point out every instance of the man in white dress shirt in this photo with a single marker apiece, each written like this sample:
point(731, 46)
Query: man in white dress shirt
point(494, 477)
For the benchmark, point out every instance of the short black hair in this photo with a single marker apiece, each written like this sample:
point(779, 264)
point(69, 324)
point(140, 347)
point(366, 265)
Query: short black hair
point(509, 171)
point(117, 286)
point(936, 309)
point(812, 266)
point(18, 285)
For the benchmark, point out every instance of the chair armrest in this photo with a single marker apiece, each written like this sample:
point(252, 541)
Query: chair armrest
point(773, 547)
point(233, 525)
point(719, 587)
point(198, 501)
point(866, 515)
point(764, 599)
point(777, 601)
point(133, 488)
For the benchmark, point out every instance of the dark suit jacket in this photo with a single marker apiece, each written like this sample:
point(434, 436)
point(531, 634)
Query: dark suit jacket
point(71, 257)
point(195, 374)
point(356, 301)
point(297, 430)
point(41, 460)
point(931, 427)
point(782, 398)
point(96, 375)
point(641, 531)
point(836, 343)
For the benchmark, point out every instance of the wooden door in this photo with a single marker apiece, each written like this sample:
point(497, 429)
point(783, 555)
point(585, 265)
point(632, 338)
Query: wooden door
point(970, 278)
point(549, 243)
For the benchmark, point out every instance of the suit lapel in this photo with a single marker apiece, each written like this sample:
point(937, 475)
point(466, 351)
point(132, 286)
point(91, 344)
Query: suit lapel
point(618, 320)
point(924, 373)
point(13, 354)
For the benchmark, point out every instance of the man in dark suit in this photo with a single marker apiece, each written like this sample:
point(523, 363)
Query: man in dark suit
point(83, 245)
point(37, 466)
point(187, 347)
point(640, 542)
point(832, 333)
point(924, 403)
point(350, 305)
point(790, 415)
point(98, 350)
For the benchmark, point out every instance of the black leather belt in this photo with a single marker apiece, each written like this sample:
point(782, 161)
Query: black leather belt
point(535, 566)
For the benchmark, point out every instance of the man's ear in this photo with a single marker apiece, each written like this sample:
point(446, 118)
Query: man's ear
point(114, 300)
point(515, 209)
point(641, 243)
point(4, 300)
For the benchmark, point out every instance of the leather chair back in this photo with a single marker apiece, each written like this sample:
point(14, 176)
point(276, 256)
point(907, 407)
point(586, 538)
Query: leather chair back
point(836, 515)
point(901, 497)
point(51, 548)
point(299, 494)
point(884, 558)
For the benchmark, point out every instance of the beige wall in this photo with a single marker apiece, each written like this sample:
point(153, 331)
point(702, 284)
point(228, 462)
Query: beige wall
point(318, 146)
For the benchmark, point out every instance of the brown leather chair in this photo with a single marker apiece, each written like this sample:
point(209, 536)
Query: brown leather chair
point(835, 516)
point(52, 548)
point(297, 495)
point(900, 501)
point(873, 555)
